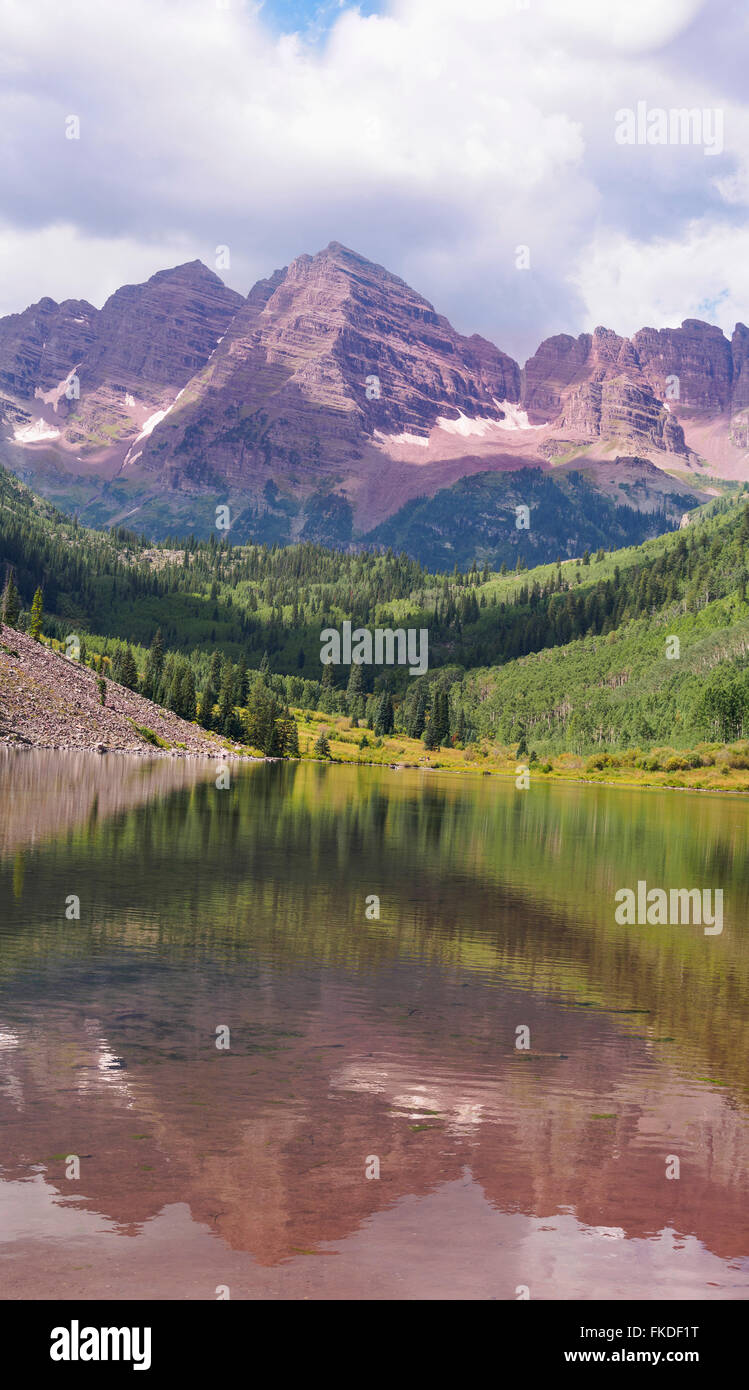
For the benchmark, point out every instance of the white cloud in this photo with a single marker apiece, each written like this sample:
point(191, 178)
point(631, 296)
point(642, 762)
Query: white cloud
point(434, 138)
point(63, 262)
point(625, 26)
point(704, 273)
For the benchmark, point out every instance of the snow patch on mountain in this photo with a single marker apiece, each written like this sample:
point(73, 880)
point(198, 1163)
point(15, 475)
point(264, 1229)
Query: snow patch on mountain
point(404, 438)
point(466, 426)
point(157, 417)
point(515, 417)
point(152, 422)
point(35, 432)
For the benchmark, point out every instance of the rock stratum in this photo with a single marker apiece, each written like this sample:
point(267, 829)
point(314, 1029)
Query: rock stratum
point(333, 395)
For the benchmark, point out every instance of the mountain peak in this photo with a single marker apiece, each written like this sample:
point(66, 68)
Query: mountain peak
point(187, 272)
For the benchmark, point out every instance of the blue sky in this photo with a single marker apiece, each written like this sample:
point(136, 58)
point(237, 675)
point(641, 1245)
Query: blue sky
point(289, 16)
point(436, 137)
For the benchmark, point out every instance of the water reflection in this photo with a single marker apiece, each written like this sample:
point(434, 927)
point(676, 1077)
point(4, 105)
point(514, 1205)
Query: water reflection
point(352, 1038)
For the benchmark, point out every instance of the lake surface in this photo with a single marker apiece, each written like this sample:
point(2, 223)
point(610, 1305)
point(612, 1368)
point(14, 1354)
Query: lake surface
point(358, 1043)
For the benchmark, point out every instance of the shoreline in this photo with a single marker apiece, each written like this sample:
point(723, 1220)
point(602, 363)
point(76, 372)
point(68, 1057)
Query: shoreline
point(48, 702)
point(505, 774)
point(22, 745)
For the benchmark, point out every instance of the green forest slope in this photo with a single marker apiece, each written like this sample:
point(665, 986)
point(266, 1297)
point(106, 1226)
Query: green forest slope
point(633, 648)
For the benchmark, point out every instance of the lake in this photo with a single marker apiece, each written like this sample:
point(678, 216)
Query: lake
point(228, 1074)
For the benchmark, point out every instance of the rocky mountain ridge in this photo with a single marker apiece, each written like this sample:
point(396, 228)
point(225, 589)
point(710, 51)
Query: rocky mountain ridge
point(331, 396)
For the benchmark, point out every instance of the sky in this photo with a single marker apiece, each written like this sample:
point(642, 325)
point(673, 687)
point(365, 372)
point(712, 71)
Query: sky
point(436, 137)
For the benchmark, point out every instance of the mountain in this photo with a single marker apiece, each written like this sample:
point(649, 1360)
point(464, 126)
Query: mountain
point(476, 519)
point(334, 396)
point(78, 385)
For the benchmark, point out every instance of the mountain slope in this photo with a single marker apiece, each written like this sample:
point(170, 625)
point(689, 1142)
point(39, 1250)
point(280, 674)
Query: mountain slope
point(78, 384)
point(48, 701)
point(333, 395)
point(569, 511)
point(578, 656)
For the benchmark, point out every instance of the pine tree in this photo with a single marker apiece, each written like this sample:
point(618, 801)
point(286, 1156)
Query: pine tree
point(417, 714)
point(11, 606)
point(355, 685)
point(128, 671)
point(289, 737)
point(207, 701)
point(174, 673)
point(188, 708)
point(431, 736)
point(260, 717)
point(154, 668)
point(226, 721)
point(217, 662)
point(384, 718)
point(355, 692)
point(37, 614)
point(322, 745)
point(440, 720)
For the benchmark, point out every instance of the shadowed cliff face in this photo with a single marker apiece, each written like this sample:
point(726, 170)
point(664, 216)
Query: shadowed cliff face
point(352, 1038)
point(330, 397)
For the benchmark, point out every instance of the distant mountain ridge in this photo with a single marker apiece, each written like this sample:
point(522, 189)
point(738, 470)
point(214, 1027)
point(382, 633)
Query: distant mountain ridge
point(334, 395)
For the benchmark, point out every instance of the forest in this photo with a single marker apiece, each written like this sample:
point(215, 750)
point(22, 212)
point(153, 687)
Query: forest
point(604, 652)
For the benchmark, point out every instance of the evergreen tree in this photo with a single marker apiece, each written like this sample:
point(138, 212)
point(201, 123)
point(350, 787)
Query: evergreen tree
point(384, 718)
point(227, 720)
point(355, 691)
point(116, 664)
point(37, 612)
point(128, 671)
point(440, 718)
point(153, 673)
point(217, 662)
point(187, 701)
point(260, 717)
point(431, 737)
point(417, 712)
point(178, 688)
point(207, 701)
point(289, 737)
point(11, 606)
point(322, 745)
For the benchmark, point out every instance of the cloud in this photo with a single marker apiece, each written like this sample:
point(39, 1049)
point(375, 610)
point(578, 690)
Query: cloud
point(702, 274)
point(434, 137)
point(64, 263)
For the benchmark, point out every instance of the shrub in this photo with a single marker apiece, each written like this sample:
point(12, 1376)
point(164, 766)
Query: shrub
point(151, 737)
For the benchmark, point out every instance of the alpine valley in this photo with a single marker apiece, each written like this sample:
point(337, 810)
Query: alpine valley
point(334, 404)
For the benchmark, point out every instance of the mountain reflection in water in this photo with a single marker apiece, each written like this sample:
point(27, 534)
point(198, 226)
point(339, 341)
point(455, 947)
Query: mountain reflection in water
point(353, 1038)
